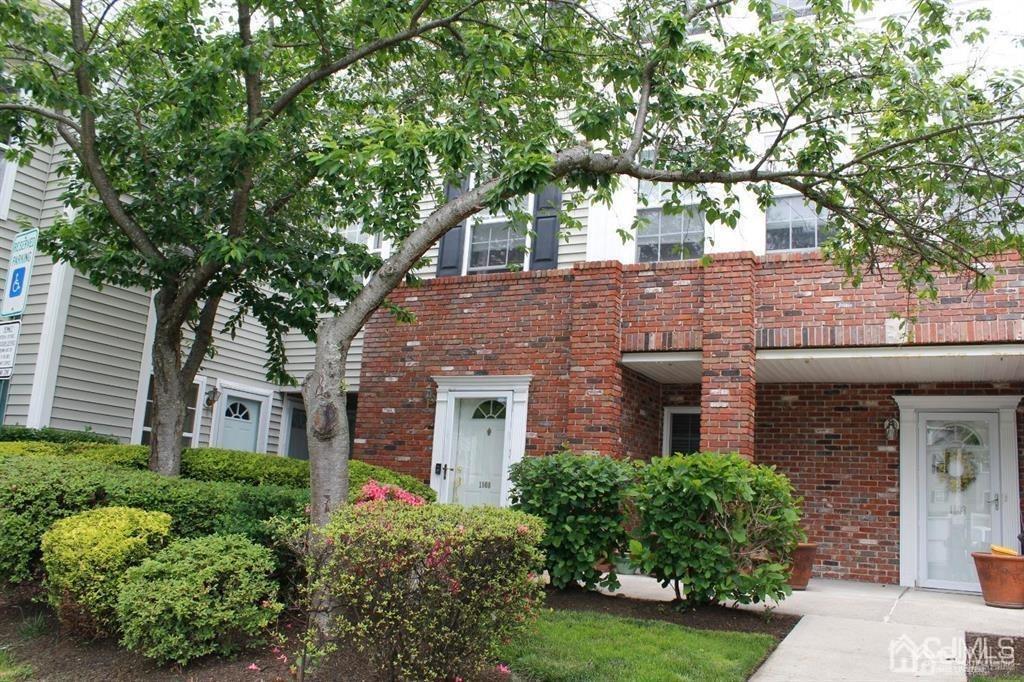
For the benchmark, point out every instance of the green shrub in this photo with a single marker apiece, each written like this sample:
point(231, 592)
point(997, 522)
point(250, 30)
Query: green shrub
point(426, 592)
point(85, 557)
point(581, 499)
point(30, 448)
point(21, 433)
point(207, 595)
point(216, 464)
point(717, 527)
point(35, 491)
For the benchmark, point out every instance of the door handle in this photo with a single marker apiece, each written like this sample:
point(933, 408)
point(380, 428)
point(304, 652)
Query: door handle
point(993, 500)
point(441, 470)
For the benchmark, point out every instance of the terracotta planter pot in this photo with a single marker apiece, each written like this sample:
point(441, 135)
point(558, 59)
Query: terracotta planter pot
point(1002, 579)
point(803, 562)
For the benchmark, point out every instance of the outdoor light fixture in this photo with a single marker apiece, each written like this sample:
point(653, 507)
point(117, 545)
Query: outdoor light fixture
point(211, 397)
point(892, 427)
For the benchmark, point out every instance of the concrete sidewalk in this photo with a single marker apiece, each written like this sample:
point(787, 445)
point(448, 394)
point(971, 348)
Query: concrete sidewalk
point(867, 633)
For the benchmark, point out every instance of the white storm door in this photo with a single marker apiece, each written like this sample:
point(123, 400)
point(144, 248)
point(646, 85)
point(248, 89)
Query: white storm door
point(959, 472)
point(480, 444)
point(241, 423)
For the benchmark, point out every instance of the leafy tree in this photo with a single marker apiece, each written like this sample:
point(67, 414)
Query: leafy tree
point(211, 154)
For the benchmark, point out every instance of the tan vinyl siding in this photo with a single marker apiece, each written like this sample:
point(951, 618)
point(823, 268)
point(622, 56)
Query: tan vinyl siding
point(302, 355)
point(34, 203)
point(101, 355)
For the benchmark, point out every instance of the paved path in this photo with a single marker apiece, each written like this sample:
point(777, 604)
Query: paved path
point(870, 633)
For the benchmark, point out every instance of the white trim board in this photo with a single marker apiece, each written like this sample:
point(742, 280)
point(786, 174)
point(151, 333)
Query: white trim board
point(1005, 406)
point(51, 338)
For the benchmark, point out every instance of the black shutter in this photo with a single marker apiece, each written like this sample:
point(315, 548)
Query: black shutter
point(449, 250)
point(545, 229)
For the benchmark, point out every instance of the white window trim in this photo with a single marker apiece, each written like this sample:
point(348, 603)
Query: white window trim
point(247, 392)
point(486, 218)
point(515, 389)
point(666, 426)
point(8, 174)
point(910, 406)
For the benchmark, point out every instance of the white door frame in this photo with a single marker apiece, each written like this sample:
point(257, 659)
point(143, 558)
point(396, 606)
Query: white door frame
point(911, 476)
point(515, 390)
point(263, 396)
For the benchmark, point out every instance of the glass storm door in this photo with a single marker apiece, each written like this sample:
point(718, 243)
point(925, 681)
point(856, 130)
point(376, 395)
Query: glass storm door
point(960, 505)
point(479, 451)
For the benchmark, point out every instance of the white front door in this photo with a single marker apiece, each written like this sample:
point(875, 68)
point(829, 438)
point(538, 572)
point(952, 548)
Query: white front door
point(960, 495)
point(479, 451)
point(241, 425)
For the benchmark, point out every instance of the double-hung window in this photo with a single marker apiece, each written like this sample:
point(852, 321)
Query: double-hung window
point(792, 223)
point(496, 244)
point(666, 233)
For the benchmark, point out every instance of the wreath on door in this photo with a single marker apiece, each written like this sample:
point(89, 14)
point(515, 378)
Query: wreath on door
point(968, 469)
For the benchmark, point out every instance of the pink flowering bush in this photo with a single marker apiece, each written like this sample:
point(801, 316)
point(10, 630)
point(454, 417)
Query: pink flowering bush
point(372, 491)
point(426, 592)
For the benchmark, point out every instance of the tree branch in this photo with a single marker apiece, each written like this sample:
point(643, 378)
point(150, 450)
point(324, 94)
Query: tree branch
point(87, 152)
point(201, 342)
point(358, 54)
point(44, 113)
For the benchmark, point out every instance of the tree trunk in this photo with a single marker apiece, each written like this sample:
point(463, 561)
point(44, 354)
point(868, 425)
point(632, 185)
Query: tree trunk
point(327, 429)
point(169, 406)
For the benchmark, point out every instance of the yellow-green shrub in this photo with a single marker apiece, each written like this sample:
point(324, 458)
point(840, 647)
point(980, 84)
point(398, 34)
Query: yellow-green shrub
point(30, 448)
point(86, 555)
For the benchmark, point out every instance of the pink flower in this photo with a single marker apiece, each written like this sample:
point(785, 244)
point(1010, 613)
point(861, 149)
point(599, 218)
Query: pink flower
point(503, 669)
point(373, 491)
point(523, 529)
point(253, 666)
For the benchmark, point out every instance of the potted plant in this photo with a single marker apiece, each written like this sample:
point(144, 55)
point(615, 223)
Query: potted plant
point(803, 563)
point(1001, 573)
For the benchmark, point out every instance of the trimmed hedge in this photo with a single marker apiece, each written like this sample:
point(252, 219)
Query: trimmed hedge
point(36, 490)
point(717, 527)
point(582, 500)
point(85, 557)
point(208, 595)
point(22, 433)
point(252, 468)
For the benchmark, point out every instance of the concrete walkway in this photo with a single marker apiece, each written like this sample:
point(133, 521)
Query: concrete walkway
point(870, 633)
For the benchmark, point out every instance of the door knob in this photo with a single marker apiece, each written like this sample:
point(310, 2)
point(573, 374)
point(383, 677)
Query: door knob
point(993, 500)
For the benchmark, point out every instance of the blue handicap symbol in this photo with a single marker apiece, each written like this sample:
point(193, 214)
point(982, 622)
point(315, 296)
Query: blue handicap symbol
point(17, 282)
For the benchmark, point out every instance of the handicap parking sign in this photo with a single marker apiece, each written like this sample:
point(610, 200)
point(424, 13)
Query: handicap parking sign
point(19, 273)
point(17, 282)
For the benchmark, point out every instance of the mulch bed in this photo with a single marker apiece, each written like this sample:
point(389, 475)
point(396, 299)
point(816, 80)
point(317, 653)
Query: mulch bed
point(994, 655)
point(57, 656)
point(777, 625)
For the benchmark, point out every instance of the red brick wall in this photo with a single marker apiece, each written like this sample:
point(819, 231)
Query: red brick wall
point(805, 301)
point(727, 365)
point(641, 415)
point(829, 440)
point(486, 324)
point(662, 304)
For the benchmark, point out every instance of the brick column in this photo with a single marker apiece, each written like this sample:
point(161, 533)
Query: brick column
point(595, 374)
point(727, 378)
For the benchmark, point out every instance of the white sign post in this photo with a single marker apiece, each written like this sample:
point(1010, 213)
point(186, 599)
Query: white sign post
point(19, 273)
point(8, 347)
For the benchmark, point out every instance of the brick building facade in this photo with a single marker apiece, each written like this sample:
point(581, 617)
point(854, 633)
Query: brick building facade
point(776, 357)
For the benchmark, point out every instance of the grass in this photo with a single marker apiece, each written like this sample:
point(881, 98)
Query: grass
point(998, 678)
point(571, 646)
point(10, 670)
point(33, 626)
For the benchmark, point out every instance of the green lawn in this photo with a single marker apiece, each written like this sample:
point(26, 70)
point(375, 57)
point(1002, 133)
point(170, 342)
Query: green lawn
point(570, 646)
point(10, 671)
